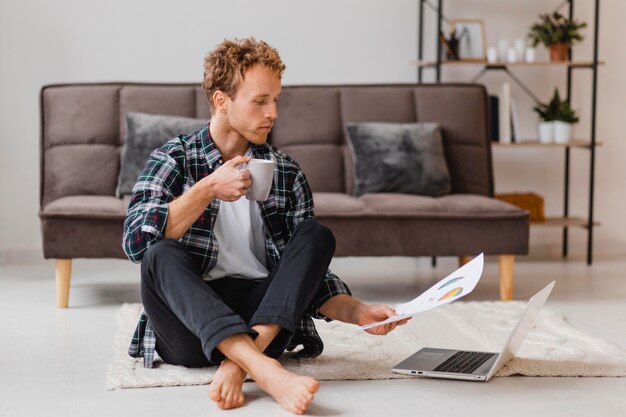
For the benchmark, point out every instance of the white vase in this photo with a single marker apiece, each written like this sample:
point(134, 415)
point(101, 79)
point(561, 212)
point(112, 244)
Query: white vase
point(503, 46)
point(562, 132)
point(520, 47)
point(511, 56)
point(546, 132)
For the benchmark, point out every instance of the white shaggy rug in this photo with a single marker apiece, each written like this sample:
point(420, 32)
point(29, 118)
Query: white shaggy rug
point(553, 348)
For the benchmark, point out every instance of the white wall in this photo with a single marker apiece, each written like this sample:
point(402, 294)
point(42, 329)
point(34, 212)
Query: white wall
point(326, 41)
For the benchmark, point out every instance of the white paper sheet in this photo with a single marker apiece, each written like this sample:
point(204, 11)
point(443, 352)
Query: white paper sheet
point(456, 285)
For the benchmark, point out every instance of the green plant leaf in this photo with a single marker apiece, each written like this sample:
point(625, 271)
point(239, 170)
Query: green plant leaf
point(556, 109)
point(555, 28)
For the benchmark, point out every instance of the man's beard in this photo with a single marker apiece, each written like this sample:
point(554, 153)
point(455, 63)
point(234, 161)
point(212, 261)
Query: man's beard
point(250, 135)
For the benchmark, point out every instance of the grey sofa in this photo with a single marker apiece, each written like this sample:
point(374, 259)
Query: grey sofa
point(83, 128)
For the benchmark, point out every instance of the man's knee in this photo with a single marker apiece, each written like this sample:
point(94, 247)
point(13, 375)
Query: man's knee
point(158, 252)
point(159, 249)
point(318, 234)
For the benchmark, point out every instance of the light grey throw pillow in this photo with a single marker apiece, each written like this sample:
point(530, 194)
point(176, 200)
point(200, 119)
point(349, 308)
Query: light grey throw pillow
point(398, 158)
point(145, 133)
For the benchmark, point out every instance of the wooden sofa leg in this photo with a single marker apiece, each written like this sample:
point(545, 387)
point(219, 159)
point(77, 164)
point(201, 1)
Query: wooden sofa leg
point(63, 274)
point(506, 276)
point(463, 260)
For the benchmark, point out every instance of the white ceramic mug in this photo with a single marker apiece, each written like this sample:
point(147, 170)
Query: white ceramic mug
point(261, 174)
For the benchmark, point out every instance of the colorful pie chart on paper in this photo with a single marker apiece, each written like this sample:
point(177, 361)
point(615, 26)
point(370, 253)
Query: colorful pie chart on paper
point(452, 281)
point(452, 293)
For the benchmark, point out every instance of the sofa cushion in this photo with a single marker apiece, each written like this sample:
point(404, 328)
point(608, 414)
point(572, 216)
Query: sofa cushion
point(398, 158)
point(173, 100)
point(322, 164)
point(87, 207)
point(338, 204)
point(393, 204)
point(461, 110)
point(80, 170)
point(454, 206)
point(471, 205)
point(309, 129)
point(80, 114)
point(147, 132)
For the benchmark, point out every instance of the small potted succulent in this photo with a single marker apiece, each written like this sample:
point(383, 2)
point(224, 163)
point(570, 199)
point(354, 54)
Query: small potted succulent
point(557, 33)
point(557, 119)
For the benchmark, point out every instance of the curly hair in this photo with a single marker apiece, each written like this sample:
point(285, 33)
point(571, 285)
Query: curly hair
point(226, 65)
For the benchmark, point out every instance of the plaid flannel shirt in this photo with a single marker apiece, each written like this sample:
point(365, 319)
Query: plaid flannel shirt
point(173, 169)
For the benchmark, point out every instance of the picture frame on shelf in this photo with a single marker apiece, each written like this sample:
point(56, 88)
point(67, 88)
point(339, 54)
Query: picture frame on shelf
point(471, 37)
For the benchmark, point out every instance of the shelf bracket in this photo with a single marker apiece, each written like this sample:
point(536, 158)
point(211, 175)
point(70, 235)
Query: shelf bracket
point(504, 68)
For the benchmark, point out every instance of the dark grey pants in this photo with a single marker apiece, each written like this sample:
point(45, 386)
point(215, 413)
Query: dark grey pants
point(191, 316)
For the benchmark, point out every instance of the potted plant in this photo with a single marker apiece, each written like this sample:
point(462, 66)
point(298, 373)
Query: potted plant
point(558, 118)
point(557, 33)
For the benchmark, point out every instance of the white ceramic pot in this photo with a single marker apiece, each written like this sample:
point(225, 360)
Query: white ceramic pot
point(546, 132)
point(562, 132)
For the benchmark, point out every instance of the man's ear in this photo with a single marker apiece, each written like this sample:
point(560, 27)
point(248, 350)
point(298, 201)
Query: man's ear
point(220, 102)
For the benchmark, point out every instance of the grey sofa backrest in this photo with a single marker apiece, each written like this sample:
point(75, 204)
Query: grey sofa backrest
point(311, 120)
point(83, 128)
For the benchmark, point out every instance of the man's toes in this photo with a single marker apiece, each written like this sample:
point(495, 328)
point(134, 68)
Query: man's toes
point(313, 385)
point(214, 394)
point(230, 401)
point(305, 402)
point(300, 408)
point(217, 397)
point(240, 400)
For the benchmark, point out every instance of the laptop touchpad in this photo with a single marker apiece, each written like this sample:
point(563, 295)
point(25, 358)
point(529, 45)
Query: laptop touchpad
point(430, 355)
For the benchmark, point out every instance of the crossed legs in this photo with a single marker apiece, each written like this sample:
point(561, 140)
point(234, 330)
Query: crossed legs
point(239, 323)
point(291, 391)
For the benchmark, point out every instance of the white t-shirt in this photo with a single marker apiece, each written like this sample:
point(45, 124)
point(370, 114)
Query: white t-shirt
point(240, 235)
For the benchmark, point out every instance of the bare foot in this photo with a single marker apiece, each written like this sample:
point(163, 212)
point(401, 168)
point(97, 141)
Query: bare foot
point(226, 387)
point(293, 392)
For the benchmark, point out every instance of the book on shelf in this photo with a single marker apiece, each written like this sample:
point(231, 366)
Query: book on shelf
point(505, 111)
point(494, 122)
point(504, 121)
point(515, 125)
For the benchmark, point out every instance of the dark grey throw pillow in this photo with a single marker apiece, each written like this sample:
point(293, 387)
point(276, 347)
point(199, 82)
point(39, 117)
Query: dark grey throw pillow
point(145, 133)
point(398, 158)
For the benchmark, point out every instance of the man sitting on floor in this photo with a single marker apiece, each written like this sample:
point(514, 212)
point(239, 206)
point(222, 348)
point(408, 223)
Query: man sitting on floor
point(225, 280)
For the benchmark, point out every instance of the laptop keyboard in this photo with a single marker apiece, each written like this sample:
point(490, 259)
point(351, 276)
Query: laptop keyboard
point(464, 362)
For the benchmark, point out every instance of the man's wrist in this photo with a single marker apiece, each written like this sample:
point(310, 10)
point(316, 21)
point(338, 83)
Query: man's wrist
point(207, 189)
point(358, 313)
point(343, 308)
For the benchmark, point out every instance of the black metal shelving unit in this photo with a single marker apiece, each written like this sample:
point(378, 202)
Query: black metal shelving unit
point(565, 222)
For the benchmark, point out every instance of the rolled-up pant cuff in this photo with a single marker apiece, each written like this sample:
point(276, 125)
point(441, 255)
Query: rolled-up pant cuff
point(280, 315)
point(210, 347)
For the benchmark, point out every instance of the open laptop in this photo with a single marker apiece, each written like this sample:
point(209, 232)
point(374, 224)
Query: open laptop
point(471, 365)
